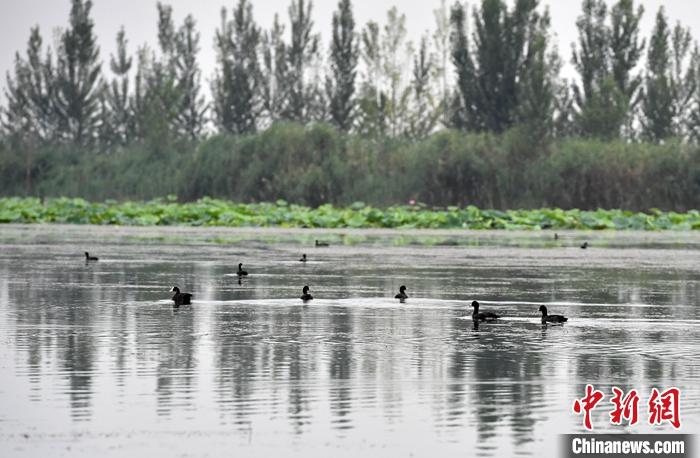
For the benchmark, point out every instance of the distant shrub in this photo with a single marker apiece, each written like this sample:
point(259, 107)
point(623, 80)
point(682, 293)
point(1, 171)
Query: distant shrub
point(317, 164)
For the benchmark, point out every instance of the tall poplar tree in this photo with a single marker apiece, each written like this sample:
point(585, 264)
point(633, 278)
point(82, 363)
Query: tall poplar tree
point(670, 81)
point(396, 58)
point(372, 100)
point(441, 67)
point(492, 70)
point(425, 109)
point(340, 84)
point(301, 52)
point(78, 77)
point(275, 82)
point(29, 93)
point(236, 87)
point(191, 108)
point(657, 101)
point(605, 59)
point(463, 105)
point(626, 47)
point(539, 86)
point(29, 117)
point(117, 117)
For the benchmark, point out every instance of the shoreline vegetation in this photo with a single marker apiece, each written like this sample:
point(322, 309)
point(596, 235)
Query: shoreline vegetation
point(317, 164)
point(221, 213)
point(476, 113)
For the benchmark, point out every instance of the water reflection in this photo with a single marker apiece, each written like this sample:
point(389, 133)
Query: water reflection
point(103, 343)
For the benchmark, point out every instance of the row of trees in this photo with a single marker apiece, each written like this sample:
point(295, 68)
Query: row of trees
point(489, 69)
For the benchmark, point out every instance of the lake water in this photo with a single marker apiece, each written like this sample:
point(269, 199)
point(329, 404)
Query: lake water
point(94, 360)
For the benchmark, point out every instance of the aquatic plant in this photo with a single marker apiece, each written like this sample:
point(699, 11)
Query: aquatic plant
point(215, 212)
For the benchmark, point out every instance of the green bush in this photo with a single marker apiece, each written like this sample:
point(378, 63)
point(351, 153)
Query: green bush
point(316, 164)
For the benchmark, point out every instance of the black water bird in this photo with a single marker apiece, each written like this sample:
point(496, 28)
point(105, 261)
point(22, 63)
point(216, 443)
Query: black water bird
point(321, 244)
point(551, 318)
point(556, 236)
point(303, 258)
point(482, 316)
point(402, 294)
point(584, 245)
point(181, 298)
point(305, 296)
point(89, 258)
point(241, 272)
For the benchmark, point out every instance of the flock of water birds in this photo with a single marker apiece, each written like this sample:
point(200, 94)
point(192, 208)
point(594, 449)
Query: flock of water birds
point(180, 298)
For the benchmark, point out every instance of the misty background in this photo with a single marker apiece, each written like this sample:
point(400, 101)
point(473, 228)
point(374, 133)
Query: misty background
point(139, 18)
point(479, 110)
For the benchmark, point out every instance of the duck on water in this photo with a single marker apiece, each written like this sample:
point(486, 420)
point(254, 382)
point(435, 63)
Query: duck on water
point(89, 258)
point(181, 298)
point(551, 318)
point(402, 296)
point(241, 272)
point(482, 316)
point(305, 296)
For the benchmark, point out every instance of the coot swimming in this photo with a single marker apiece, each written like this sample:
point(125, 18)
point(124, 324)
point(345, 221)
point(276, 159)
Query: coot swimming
point(180, 298)
point(305, 296)
point(482, 316)
point(551, 318)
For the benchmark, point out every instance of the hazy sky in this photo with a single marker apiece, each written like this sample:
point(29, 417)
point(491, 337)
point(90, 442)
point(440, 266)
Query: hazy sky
point(139, 19)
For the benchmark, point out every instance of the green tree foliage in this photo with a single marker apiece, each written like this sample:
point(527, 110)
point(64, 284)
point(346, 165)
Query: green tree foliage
point(590, 58)
point(626, 48)
point(29, 118)
point(275, 83)
point(657, 103)
point(302, 51)
point(156, 98)
point(685, 77)
point(396, 51)
point(424, 110)
point(167, 98)
point(670, 82)
point(539, 87)
point(155, 101)
point(605, 59)
point(29, 93)
point(117, 115)
point(463, 107)
point(77, 79)
point(318, 164)
point(692, 119)
point(626, 51)
point(191, 109)
point(496, 63)
point(238, 100)
point(493, 75)
point(441, 69)
point(372, 101)
point(340, 84)
point(384, 104)
point(491, 72)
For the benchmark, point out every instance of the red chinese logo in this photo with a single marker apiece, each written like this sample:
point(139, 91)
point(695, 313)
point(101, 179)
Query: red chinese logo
point(626, 407)
point(587, 404)
point(663, 407)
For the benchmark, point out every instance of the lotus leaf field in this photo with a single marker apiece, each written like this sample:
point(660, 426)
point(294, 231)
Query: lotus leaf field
point(215, 212)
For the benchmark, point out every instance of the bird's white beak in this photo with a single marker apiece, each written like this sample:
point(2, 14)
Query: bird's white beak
point(172, 289)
